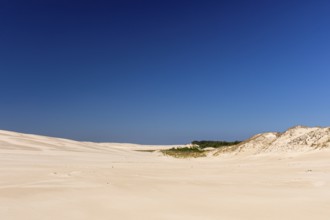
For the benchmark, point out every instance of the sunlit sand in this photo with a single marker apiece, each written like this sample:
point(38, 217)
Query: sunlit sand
point(51, 178)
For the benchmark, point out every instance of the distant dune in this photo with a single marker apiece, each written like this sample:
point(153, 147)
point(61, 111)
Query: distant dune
point(269, 176)
point(18, 141)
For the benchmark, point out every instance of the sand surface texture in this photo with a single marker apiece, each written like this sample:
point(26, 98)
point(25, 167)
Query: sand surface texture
point(51, 178)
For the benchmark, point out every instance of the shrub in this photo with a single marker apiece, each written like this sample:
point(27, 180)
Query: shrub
point(214, 144)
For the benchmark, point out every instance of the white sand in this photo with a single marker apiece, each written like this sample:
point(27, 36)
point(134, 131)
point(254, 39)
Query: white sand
point(49, 178)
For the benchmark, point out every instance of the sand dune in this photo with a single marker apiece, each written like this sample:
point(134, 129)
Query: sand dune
point(270, 176)
point(294, 140)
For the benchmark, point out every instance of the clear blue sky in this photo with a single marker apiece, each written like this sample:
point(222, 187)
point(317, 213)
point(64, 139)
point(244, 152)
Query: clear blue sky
point(163, 72)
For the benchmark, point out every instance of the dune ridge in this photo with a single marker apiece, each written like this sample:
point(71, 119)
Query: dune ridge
point(295, 139)
point(20, 141)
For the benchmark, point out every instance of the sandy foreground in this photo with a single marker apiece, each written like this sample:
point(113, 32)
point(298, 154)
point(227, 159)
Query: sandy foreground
point(49, 178)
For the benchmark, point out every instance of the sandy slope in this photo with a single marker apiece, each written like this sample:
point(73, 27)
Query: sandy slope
point(50, 178)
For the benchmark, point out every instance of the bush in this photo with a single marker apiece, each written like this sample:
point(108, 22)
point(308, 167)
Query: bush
point(214, 144)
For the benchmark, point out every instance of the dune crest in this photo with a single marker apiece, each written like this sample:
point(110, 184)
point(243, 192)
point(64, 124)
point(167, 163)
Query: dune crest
point(295, 139)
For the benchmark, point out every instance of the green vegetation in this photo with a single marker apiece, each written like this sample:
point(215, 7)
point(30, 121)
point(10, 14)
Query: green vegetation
point(214, 144)
point(198, 149)
point(184, 152)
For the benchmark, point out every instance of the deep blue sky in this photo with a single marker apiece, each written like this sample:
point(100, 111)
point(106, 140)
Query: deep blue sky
point(163, 72)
